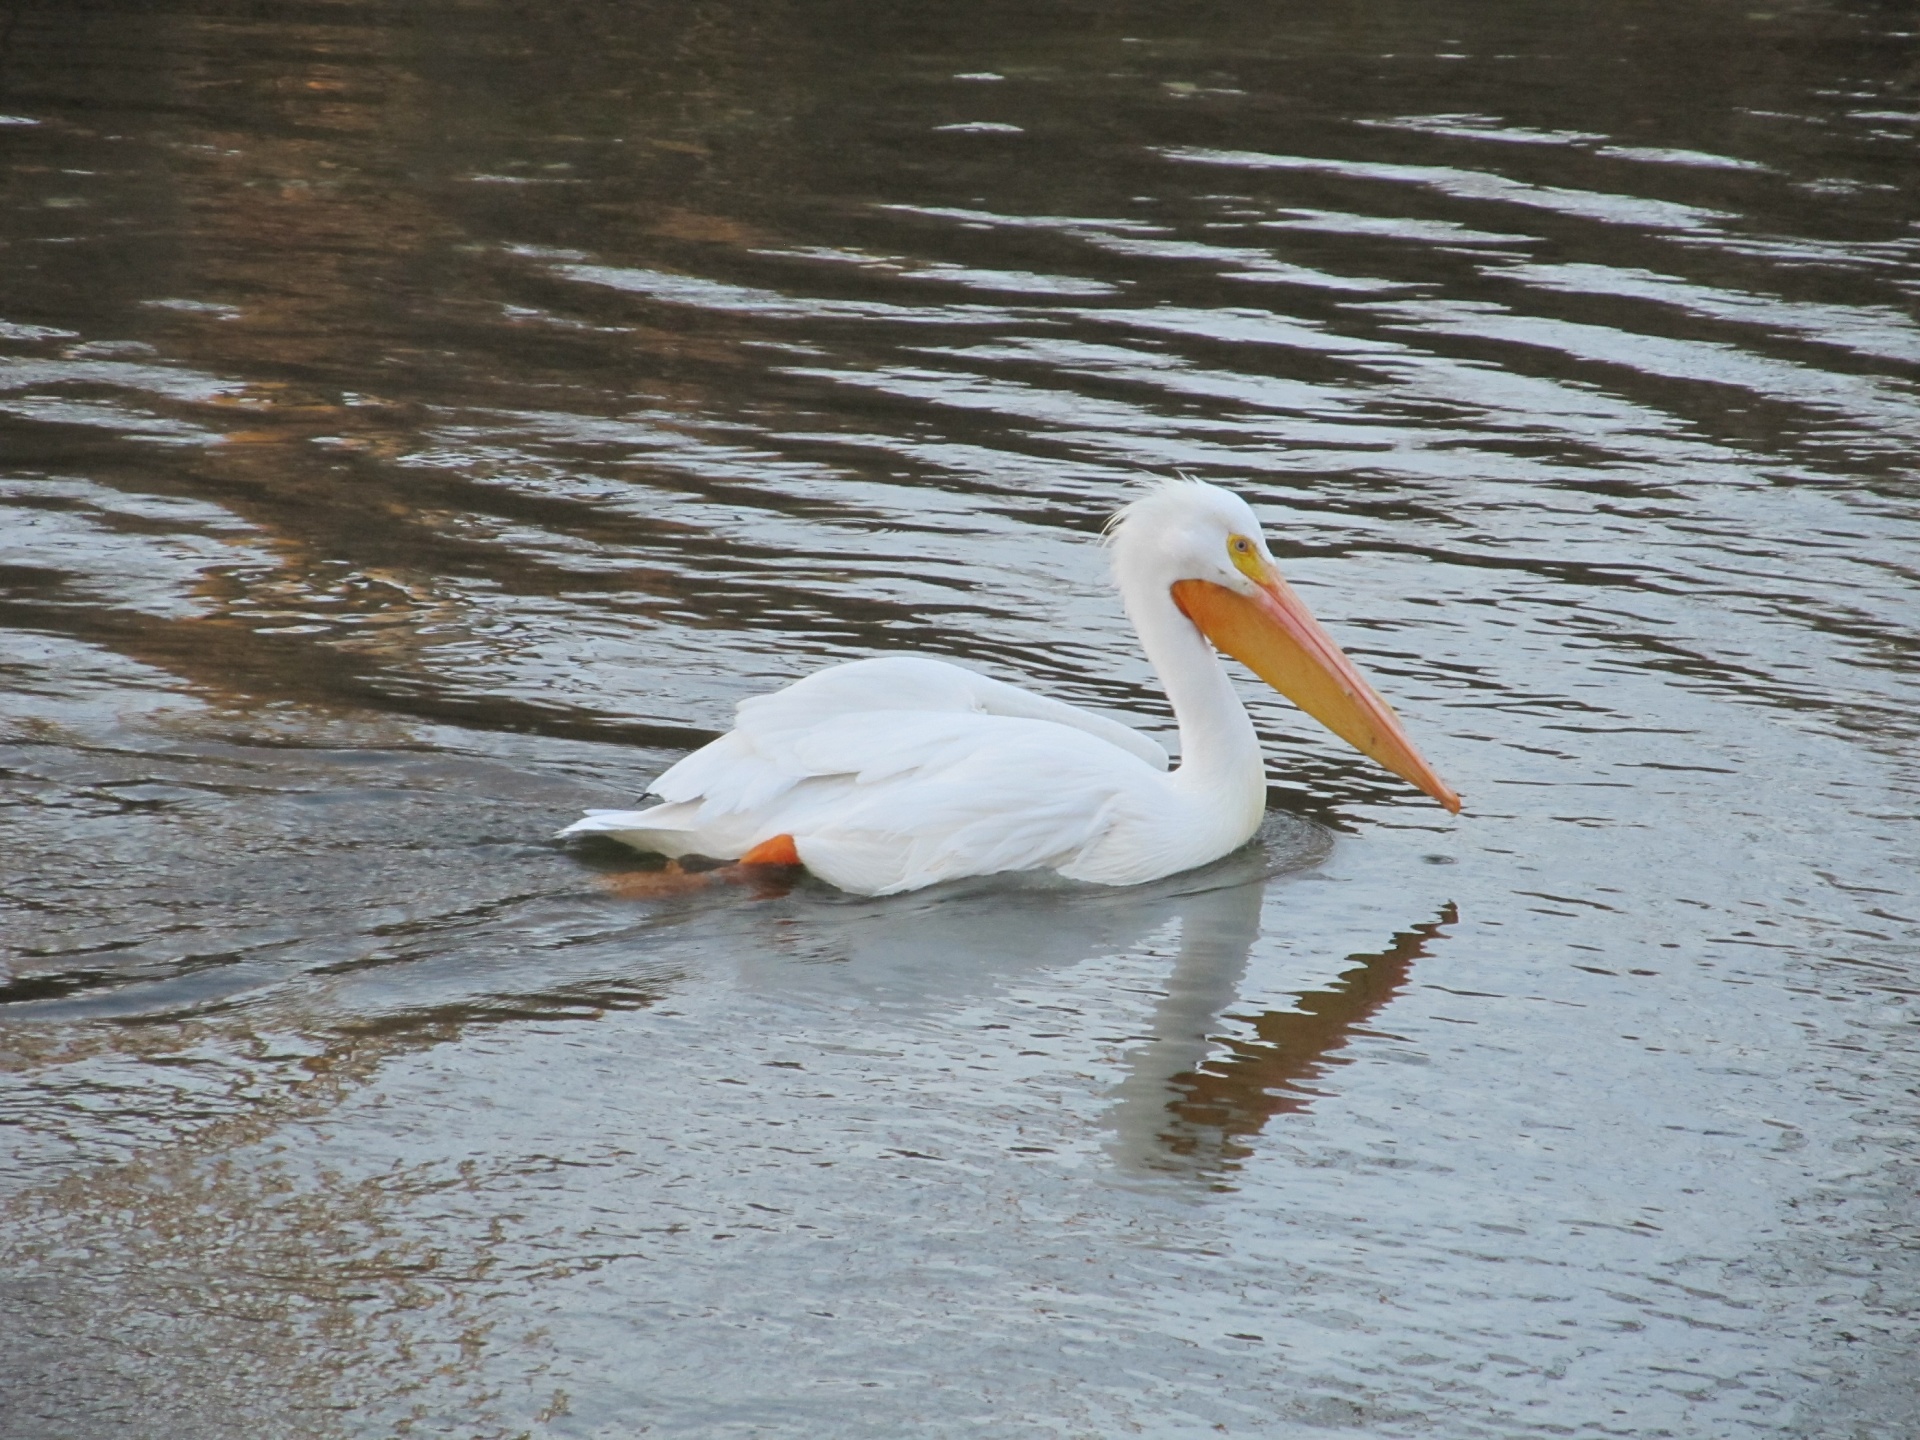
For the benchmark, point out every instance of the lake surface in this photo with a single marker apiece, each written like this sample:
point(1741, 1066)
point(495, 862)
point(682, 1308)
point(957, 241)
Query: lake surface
point(421, 422)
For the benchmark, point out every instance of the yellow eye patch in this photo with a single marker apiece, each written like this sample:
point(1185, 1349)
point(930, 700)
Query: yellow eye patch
point(1245, 555)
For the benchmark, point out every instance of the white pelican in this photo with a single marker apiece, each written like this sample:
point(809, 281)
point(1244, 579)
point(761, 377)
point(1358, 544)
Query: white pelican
point(888, 774)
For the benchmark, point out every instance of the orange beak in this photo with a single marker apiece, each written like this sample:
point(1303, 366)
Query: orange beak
point(1274, 635)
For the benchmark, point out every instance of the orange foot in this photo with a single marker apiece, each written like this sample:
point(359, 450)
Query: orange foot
point(764, 867)
point(769, 867)
point(780, 850)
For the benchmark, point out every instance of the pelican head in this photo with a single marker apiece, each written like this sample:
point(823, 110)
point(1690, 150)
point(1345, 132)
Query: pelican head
point(1201, 547)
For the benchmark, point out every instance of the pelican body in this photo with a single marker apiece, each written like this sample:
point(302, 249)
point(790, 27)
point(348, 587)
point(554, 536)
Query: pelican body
point(889, 774)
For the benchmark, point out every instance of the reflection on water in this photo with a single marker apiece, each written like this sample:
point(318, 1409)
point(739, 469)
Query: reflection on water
point(1181, 1107)
point(924, 952)
point(421, 423)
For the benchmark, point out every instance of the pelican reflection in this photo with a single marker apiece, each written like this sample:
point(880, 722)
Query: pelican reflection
point(931, 949)
point(1191, 1097)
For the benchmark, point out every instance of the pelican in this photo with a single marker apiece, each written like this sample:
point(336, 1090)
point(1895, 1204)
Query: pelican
point(897, 772)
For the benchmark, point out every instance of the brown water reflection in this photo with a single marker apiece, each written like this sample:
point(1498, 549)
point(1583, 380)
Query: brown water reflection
point(228, 1286)
point(1197, 1092)
point(1234, 1096)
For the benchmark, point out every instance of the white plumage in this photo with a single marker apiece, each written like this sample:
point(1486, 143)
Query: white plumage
point(900, 771)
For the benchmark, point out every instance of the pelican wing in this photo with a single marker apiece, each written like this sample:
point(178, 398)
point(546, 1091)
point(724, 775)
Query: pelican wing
point(919, 682)
point(893, 802)
point(776, 739)
point(893, 773)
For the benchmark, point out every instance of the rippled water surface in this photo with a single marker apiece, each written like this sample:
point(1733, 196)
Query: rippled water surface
point(419, 422)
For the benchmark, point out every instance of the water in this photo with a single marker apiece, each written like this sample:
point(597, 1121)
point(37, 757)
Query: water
point(420, 423)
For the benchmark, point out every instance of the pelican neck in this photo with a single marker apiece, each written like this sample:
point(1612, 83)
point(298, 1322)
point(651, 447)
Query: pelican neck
point(1218, 744)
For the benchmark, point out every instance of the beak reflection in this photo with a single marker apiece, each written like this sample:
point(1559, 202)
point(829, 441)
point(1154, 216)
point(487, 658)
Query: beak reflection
point(1187, 1107)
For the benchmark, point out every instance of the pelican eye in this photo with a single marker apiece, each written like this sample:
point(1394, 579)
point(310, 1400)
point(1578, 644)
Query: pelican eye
point(1245, 556)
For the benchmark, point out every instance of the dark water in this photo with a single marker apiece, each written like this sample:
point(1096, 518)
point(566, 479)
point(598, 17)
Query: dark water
point(420, 422)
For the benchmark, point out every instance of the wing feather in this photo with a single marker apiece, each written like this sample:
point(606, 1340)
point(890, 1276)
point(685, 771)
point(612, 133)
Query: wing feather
point(921, 683)
point(820, 725)
point(896, 772)
point(941, 796)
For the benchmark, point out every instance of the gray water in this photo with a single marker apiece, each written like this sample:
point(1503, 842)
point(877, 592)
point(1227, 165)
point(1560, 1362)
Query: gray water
point(420, 422)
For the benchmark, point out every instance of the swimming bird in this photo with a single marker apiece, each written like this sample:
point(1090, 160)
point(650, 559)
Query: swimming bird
point(892, 773)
